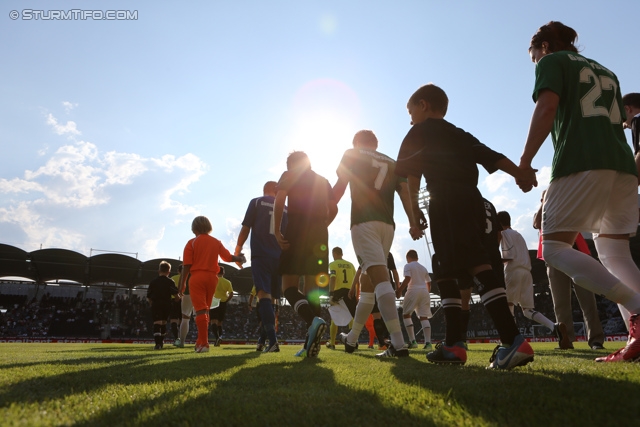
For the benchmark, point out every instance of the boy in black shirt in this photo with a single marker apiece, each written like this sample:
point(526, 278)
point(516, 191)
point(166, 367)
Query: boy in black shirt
point(447, 156)
point(159, 296)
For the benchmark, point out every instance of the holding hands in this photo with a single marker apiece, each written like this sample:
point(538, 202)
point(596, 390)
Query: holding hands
point(526, 177)
point(239, 259)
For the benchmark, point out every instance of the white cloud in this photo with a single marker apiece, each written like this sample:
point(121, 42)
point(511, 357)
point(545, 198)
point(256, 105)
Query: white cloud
point(17, 185)
point(496, 180)
point(229, 241)
point(70, 178)
point(80, 197)
point(194, 168)
point(68, 106)
point(150, 241)
point(38, 228)
point(122, 168)
point(544, 177)
point(68, 128)
point(504, 203)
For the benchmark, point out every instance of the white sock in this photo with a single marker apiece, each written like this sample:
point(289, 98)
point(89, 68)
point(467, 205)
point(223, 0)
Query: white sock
point(363, 310)
point(408, 325)
point(184, 329)
point(589, 273)
point(426, 330)
point(386, 297)
point(624, 313)
point(615, 255)
point(536, 316)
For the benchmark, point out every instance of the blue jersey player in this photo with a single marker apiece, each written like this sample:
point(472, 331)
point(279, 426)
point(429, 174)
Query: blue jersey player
point(265, 256)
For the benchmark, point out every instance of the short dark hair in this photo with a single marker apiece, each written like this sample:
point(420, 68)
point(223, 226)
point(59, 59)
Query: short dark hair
point(270, 187)
point(504, 218)
point(337, 249)
point(165, 267)
point(298, 159)
point(432, 94)
point(412, 254)
point(221, 271)
point(366, 138)
point(557, 35)
point(631, 99)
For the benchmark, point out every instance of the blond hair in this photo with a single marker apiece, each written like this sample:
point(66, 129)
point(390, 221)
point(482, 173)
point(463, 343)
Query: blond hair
point(201, 225)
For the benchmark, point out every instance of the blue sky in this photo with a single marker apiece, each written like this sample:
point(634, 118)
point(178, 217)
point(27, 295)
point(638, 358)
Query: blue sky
point(116, 133)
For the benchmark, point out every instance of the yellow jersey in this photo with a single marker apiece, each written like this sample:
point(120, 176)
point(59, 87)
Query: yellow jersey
point(344, 272)
point(223, 290)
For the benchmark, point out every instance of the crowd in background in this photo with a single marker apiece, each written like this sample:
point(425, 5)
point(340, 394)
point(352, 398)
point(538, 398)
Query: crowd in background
point(129, 317)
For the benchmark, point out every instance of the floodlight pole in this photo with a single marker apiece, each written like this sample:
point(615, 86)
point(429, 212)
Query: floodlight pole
point(423, 203)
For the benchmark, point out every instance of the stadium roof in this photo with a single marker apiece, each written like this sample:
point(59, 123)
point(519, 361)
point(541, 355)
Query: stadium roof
point(108, 269)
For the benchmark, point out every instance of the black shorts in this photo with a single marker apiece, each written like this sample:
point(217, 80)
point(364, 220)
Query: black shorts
point(458, 224)
point(160, 310)
point(465, 280)
point(308, 252)
point(218, 312)
point(176, 309)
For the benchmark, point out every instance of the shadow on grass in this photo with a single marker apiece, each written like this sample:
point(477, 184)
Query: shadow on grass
point(117, 369)
point(291, 393)
point(528, 396)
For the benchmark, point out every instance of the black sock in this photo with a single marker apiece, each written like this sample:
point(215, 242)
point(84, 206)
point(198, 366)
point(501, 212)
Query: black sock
point(156, 334)
point(464, 324)
point(214, 331)
point(494, 299)
point(452, 307)
point(381, 330)
point(300, 304)
point(174, 330)
point(219, 331)
point(314, 302)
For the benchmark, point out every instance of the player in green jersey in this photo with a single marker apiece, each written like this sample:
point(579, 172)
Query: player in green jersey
point(373, 185)
point(594, 178)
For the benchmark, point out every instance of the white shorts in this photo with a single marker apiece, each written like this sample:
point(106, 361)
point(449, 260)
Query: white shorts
point(372, 242)
point(599, 201)
point(187, 306)
point(418, 300)
point(519, 287)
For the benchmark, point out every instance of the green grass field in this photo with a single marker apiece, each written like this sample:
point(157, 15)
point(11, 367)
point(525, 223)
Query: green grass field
point(127, 384)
